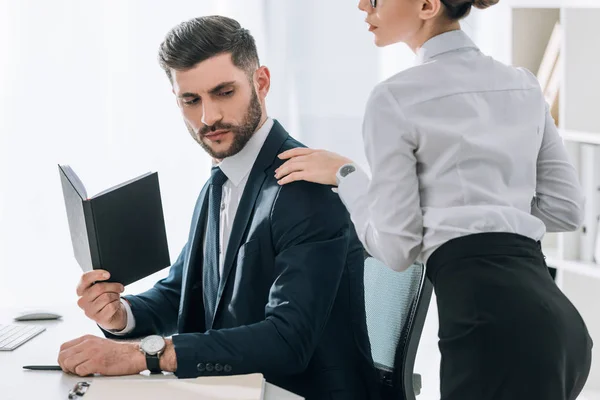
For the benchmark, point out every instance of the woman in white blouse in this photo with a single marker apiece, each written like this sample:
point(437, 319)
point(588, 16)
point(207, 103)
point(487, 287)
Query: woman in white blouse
point(468, 172)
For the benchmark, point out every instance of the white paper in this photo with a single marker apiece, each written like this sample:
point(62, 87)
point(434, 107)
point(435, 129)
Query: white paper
point(245, 387)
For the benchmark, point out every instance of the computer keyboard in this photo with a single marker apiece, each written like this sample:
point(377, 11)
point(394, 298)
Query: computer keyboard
point(12, 336)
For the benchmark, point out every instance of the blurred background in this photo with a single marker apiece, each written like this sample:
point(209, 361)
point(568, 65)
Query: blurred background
point(80, 85)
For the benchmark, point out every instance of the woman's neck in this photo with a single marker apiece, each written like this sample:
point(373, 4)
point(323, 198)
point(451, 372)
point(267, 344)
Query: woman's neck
point(429, 31)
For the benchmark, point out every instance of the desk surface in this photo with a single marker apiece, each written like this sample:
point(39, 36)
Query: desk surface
point(17, 383)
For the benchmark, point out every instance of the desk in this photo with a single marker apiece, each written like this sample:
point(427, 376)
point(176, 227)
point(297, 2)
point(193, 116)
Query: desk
point(19, 384)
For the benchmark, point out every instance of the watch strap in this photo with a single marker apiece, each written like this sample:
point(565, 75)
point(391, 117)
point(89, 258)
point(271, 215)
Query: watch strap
point(153, 363)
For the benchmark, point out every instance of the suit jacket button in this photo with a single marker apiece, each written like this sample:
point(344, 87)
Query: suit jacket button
point(201, 367)
point(218, 367)
point(209, 367)
point(227, 368)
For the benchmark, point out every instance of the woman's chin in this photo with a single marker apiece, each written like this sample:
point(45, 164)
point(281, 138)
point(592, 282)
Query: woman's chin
point(381, 41)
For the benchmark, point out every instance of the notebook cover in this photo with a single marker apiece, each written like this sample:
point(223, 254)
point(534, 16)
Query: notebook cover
point(129, 229)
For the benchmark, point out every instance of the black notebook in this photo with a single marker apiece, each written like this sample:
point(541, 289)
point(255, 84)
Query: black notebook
point(121, 230)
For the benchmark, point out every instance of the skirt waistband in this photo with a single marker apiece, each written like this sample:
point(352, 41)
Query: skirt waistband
point(481, 245)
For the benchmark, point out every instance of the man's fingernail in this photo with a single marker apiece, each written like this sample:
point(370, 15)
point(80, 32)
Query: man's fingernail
point(106, 275)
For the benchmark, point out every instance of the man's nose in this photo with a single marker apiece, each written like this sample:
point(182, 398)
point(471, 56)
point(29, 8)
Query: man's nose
point(211, 114)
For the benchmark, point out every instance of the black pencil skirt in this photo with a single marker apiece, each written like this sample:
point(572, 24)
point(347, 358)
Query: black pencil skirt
point(506, 330)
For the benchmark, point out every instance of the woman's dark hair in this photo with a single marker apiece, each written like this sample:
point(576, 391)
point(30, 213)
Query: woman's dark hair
point(458, 9)
point(199, 39)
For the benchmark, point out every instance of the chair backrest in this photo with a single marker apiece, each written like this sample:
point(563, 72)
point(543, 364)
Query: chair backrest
point(396, 304)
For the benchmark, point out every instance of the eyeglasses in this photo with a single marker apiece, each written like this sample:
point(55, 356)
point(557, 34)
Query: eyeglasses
point(373, 3)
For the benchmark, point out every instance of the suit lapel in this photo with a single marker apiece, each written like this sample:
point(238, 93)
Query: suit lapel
point(193, 263)
point(257, 177)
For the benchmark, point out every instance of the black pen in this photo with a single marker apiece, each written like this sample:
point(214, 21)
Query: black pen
point(43, 367)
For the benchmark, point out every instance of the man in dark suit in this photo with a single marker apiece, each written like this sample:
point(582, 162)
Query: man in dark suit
point(271, 278)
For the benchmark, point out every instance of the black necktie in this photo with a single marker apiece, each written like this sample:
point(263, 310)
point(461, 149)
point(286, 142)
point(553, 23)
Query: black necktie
point(211, 252)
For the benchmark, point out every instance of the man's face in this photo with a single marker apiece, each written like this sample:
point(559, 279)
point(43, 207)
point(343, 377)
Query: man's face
point(219, 104)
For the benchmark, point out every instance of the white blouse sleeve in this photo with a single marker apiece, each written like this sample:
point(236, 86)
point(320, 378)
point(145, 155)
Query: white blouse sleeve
point(386, 208)
point(559, 199)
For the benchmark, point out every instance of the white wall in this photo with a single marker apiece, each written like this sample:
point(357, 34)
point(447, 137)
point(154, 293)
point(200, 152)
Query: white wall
point(81, 85)
point(329, 66)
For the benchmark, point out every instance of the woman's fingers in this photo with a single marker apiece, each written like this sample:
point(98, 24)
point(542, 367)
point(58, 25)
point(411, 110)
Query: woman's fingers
point(316, 166)
point(299, 151)
point(292, 165)
point(294, 176)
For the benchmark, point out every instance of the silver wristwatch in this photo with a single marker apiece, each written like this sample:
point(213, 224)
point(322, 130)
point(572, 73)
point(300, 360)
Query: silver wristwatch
point(344, 171)
point(153, 347)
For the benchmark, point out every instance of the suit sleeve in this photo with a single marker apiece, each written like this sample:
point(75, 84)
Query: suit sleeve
point(155, 311)
point(310, 233)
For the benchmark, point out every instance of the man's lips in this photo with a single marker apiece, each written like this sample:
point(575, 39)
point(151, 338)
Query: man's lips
point(216, 135)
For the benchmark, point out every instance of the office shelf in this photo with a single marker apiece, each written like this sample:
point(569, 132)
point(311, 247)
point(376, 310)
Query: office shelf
point(581, 137)
point(552, 3)
point(590, 270)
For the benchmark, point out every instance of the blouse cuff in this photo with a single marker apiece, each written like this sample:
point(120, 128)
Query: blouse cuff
point(352, 187)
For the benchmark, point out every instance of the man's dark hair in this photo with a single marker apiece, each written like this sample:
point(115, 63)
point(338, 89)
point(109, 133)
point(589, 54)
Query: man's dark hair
point(199, 39)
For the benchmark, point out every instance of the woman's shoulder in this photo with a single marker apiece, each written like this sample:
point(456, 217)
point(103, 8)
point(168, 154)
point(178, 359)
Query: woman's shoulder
point(517, 75)
point(404, 88)
point(421, 83)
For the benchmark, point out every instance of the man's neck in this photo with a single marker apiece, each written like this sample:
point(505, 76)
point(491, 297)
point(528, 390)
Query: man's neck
point(262, 122)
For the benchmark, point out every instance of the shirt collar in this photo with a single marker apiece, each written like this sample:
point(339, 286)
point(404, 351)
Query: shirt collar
point(444, 43)
point(238, 166)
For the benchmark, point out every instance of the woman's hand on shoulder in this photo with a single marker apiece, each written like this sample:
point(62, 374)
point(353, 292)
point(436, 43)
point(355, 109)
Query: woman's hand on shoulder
point(318, 166)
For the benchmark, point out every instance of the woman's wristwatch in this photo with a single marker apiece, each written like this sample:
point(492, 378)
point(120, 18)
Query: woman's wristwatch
point(343, 172)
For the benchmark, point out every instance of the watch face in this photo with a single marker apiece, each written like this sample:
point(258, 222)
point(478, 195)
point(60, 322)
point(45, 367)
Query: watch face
point(152, 344)
point(347, 169)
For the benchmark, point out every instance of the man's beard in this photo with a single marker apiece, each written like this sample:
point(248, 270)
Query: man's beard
point(241, 133)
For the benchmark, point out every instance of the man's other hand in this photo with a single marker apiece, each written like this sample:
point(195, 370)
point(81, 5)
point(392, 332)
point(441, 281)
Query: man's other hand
point(101, 301)
point(93, 355)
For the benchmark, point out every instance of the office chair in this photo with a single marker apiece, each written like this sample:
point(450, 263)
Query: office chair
point(396, 304)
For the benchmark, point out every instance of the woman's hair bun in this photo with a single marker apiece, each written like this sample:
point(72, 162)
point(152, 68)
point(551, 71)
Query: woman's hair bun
point(481, 4)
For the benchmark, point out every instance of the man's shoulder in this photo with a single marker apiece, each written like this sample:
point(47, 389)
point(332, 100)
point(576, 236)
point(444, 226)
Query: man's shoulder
point(308, 206)
point(303, 197)
point(291, 143)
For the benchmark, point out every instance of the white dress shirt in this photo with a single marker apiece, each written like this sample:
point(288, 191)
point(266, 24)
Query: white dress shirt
point(458, 144)
point(237, 169)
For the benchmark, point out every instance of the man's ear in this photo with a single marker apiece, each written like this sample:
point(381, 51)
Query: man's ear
point(262, 82)
point(176, 99)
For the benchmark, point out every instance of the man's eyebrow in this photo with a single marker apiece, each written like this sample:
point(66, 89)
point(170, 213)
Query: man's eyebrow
point(220, 87)
point(188, 94)
point(214, 90)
